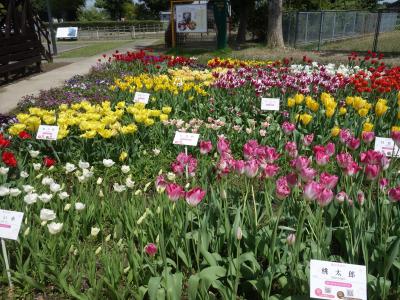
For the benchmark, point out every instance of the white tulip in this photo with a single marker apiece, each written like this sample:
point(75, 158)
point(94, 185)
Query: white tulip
point(63, 195)
point(94, 231)
point(47, 214)
point(98, 250)
point(119, 188)
point(45, 198)
point(30, 198)
point(129, 183)
point(87, 173)
point(55, 228)
point(99, 180)
point(171, 176)
point(108, 163)
point(24, 174)
point(4, 191)
point(125, 169)
point(28, 188)
point(47, 180)
point(138, 192)
point(82, 179)
point(79, 206)
point(67, 207)
point(55, 187)
point(37, 166)
point(83, 165)
point(33, 153)
point(101, 195)
point(4, 170)
point(156, 151)
point(43, 223)
point(69, 168)
point(14, 192)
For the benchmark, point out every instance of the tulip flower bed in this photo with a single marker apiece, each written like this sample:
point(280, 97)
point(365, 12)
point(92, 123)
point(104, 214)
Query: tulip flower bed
point(113, 210)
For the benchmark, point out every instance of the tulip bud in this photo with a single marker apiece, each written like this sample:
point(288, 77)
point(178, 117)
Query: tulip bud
point(138, 192)
point(157, 238)
point(67, 207)
point(75, 252)
point(223, 194)
point(171, 176)
point(160, 172)
point(158, 210)
point(101, 195)
point(43, 223)
point(108, 237)
point(291, 239)
point(26, 232)
point(146, 186)
point(187, 185)
point(126, 270)
point(97, 250)
point(94, 231)
point(99, 180)
point(71, 249)
point(239, 233)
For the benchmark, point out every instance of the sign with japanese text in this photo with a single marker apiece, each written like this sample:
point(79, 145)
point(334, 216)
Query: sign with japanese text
point(47, 132)
point(191, 18)
point(186, 138)
point(387, 146)
point(333, 280)
point(141, 97)
point(270, 103)
point(10, 223)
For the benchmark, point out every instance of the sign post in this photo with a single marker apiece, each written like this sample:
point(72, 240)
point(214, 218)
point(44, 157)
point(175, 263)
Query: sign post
point(10, 224)
point(187, 139)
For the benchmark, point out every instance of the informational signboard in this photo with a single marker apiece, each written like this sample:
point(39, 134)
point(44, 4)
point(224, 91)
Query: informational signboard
point(67, 33)
point(191, 18)
point(186, 138)
point(10, 224)
point(332, 280)
point(387, 146)
point(47, 132)
point(270, 103)
point(141, 97)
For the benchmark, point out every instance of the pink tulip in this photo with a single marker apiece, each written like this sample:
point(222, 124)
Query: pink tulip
point(174, 191)
point(161, 184)
point(183, 158)
point(394, 194)
point(367, 136)
point(307, 174)
point(308, 139)
point(270, 170)
point(205, 147)
point(372, 171)
point(325, 197)
point(251, 168)
point(177, 168)
point(351, 169)
point(341, 197)
point(250, 149)
point(195, 196)
point(385, 162)
point(344, 135)
point(311, 190)
point(360, 197)
point(288, 128)
point(383, 183)
point(330, 149)
point(150, 249)
point(321, 158)
point(344, 159)
point(396, 137)
point(328, 180)
point(353, 143)
point(291, 149)
point(291, 239)
point(300, 163)
point(270, 154)
point(371, 157)
point(223, 145)
point(239, 166)
point(292, 179)
point(282, 189)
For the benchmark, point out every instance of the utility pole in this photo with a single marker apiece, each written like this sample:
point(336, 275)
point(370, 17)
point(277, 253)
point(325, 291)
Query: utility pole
point(51, 27)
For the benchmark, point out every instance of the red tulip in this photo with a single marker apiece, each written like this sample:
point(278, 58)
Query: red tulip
point(48, 161)
point(9, 159)
point(24, 135)
point(150, 249)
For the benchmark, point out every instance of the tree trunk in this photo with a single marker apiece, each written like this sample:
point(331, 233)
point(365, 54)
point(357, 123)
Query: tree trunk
point(275, 34)
point(243, 17)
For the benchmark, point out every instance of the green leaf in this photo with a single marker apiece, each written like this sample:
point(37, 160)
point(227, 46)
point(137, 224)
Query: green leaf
point(210, 274)
point(153, 286)
point(193, 286)
point(393, 254)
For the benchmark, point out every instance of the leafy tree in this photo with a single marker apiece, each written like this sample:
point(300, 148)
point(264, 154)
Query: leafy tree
point(65, 9)
point(92, 14)
point(114, 7)
point(152, 8)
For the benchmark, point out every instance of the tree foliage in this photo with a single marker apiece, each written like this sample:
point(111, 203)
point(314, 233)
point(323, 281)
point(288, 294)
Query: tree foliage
point(152, 8)
point(115, 8)
point(61, 9)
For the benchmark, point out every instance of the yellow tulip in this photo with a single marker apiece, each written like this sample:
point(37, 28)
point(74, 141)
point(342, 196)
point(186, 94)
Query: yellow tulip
point(335, 131)
point(16, 128)
point(123, 156)
point(367, 126)
point(291, 102)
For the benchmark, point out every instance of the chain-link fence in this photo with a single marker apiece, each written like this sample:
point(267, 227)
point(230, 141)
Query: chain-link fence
point(343, 30)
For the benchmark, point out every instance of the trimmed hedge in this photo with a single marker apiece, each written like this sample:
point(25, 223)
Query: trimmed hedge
point(106, 23)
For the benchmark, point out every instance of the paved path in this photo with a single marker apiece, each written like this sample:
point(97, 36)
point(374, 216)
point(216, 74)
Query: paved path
point(11, 94)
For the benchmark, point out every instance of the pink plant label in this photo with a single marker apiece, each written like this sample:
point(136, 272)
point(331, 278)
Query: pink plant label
point(332, 280)
point(47, 132)
point(186, 138)
point(141, 97)
point(387, 146)
point(270, 104)
point(10, 224)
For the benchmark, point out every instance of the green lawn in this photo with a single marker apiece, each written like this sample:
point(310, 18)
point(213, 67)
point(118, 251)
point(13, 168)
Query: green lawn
point(93, 49)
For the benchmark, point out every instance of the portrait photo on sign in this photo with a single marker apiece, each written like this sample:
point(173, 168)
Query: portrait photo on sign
point(191, 18)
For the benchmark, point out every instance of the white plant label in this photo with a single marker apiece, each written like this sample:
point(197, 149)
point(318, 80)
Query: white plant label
point(332, 280)
point(47, 132)
point(10, 224)
point(387, 146)
point(270, 104)
point(186, 138)
point(141, 97)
